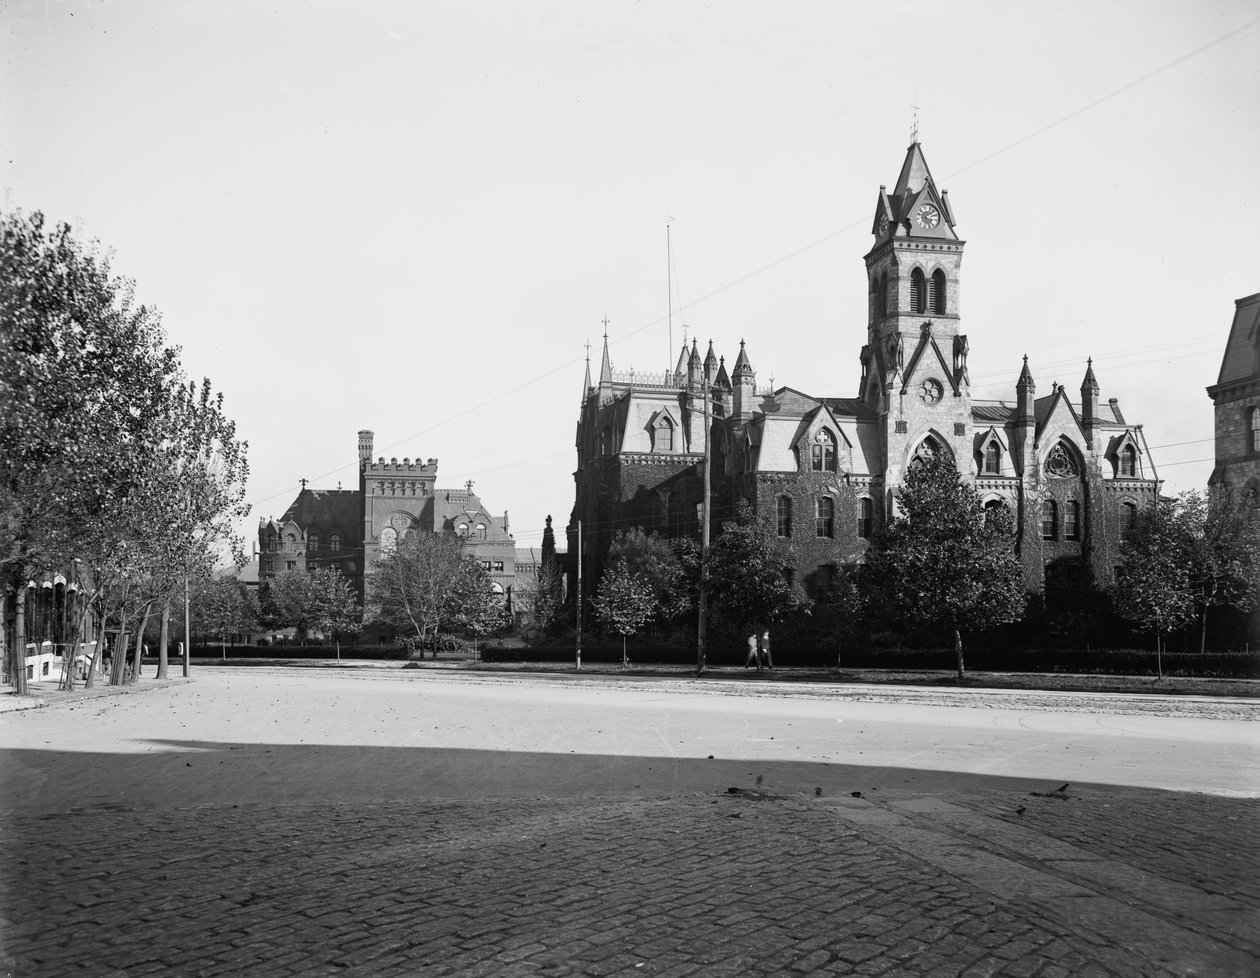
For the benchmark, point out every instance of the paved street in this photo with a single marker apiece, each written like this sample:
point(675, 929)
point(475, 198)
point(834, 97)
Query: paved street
point(274, 823)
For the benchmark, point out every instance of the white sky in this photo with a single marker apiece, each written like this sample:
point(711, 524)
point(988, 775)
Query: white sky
point(410, 217)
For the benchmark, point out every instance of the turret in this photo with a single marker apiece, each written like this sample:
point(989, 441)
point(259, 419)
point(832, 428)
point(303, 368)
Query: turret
point(1025, 389)
point(710, 365)
point(744, 386)
point(694, 366)
point(1022, 450)
point(1089, 402)
point(365, 447)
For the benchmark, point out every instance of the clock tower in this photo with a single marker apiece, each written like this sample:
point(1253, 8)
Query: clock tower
point(914, 364)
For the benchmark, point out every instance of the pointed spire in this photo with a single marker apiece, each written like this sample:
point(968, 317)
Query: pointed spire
point(914, 171)
point(1090, 383)
point(710, 358)
point(1025, 376)
point(586, 384)
point(680, 371)
point(605, 367)
point(743, 368)
point(723, 380)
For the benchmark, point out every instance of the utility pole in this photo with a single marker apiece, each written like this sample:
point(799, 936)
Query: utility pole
point(579, 599)
point(703, 604)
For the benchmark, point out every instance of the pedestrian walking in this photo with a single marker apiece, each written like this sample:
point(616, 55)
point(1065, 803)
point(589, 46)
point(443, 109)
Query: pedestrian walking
point(754, 652)
point(765, 649)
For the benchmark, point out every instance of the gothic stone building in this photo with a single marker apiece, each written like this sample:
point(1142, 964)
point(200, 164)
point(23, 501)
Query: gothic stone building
point(824, 471)
point(1236, 402)
point(347, 528)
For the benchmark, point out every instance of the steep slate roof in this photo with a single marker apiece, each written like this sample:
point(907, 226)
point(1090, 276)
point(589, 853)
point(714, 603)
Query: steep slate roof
point(992, 412)
point(1242, 350)
point(325, 507)
point(852, 407)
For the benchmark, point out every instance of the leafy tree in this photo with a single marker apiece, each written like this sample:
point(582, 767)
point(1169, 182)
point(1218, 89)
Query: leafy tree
point(655, 561)
point(334, 604)
point(108, 456)
point(1225, 568)
point(750, 573)
point(423, 584)
point(289, 601)
point(624, 602)
point(475, 608)
point(945, 561)
point(541, 599)
point(222, 606)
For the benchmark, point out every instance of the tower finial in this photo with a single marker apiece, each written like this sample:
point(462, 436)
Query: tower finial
point(914, 133)
point(605, 322)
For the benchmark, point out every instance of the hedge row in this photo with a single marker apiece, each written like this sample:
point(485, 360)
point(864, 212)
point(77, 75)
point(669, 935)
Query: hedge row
point(387, 652)
point(1120, 662)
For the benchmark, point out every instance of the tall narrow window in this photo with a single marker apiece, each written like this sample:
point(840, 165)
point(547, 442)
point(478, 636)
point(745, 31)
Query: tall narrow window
point(334, 543)
point(1253, 431)
point(824, 517)
point(866, 517)
point(605, 441)
point(992, 459)
point(824, 581)
point(783, 516)
point(1072, 520)
point(1128, 462)
point(312, 543)
point(389, 540)
point(1128, 516)
point(481, 530)
point(822, 454)
point(936, 292)
point(917, 290)
point(1049, 519)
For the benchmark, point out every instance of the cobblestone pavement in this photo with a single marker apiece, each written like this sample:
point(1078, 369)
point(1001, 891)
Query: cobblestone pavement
point(1088, 882)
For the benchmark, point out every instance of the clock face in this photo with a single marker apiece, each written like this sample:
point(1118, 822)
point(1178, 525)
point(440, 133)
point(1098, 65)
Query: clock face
point(928, 216)
point(883, 224)
point(931, 390)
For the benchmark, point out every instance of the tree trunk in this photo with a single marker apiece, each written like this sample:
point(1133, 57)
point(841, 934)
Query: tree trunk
point(625, 659)
point(1159, 654)
point(119, 661)
point(165, 637)
point(73, 656)
point(19, 640)
point(144, 624)
point(958, 651)
point(97, 654)
point(337, 642)
point(1203, 631)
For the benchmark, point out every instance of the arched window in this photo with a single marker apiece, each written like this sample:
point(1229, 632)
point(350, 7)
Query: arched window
point(866, 517)
point(463, 529)
point(334, 542)
point(929, 450)
point(605, 441)
point(481, 530)
point(292, 541)
point(312, 543)
point(824, 517)
point(1072, 520)
point(992, 459)
point(1253, 430)
point(1049, 519)
point(822, 454)
point(389, 540)
point(1128, 517)
point(917, 290)
point(783, 516)
point(936, 293)
point(665, 435)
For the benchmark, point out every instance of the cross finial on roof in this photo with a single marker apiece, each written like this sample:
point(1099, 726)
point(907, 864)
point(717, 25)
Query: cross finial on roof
point(588, 349)
point(470, 484)
point(303, 481)
point(605, 322)
point(914, 133)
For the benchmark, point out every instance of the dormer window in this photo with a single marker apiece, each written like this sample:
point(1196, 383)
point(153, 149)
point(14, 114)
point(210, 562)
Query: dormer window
point(481, 530)
point(822, 454)
point(1128, 462)
point(992, 459)
point(664, 435)
point(463, 529)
